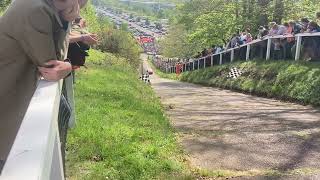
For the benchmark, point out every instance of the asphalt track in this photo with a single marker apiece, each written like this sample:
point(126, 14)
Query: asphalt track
point(225, 130)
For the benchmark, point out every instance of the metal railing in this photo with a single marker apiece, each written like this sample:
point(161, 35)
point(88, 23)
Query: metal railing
point(229, 54)
point(36, 152)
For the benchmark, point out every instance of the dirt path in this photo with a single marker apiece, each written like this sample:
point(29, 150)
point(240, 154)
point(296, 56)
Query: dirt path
point(221, 129)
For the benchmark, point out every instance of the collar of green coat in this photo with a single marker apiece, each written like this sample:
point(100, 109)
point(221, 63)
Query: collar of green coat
point(56, 13)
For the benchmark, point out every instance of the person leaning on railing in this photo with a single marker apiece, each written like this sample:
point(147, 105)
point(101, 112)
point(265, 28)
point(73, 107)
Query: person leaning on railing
point(33, 37)
point(80, 42)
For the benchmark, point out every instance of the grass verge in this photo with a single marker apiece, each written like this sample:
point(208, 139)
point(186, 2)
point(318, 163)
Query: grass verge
point(286, 80)
point(121, 130)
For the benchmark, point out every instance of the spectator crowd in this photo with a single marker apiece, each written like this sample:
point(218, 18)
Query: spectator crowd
point(283, 47)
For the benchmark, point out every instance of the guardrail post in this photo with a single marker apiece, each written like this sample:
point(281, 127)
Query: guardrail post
point(298, 48)
point(220, 59)
point(198, 64)
point(204, 62)
point(211, 60)
point(268, 49)
point(248, 52)
point(70, 97)
point(232, 55)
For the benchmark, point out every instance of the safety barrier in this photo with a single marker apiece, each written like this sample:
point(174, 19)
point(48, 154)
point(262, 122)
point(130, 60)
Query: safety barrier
point(229, 54)
point(36, 152)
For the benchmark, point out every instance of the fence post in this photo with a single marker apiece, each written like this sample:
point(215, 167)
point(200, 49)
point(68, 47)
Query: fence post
point(268, 49)
point(232, 55)
point(298, 48)
point(220, 59)
point(248, 52)
point(193, 65)
point(198, 64)
point(211, 60)
point(204, 62)
point(70, 98)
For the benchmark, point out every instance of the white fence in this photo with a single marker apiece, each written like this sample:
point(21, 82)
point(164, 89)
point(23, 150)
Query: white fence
point(248, 46)
point(36, 153)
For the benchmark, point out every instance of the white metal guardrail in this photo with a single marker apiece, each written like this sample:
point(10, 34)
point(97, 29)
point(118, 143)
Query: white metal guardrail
point(36, 153)
point(37, 145)
point(298, 38)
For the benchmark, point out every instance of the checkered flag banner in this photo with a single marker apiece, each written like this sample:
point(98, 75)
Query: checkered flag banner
point(145, 78)
point(234, 73)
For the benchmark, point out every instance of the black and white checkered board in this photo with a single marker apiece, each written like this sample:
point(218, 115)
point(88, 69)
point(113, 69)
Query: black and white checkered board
point(145, 78)
point(234, 73)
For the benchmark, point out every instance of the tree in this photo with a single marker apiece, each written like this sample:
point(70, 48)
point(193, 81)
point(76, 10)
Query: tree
point(215, 27)
point(176, 43)
point(278, 13)
point(4, 4)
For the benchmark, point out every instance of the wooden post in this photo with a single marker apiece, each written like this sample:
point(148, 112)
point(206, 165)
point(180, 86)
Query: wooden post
point(232, 55)
point(204, 62)
point(211, 60)
point(268, 49)
point(248, 52)
point(220, 59)
point(298, 48)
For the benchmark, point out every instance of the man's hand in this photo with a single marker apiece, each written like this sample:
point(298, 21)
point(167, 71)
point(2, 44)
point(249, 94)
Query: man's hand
point(59, 70)
point(90, 39)
point(71, 13)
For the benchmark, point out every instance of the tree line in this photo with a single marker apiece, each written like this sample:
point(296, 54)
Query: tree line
point(199, 24)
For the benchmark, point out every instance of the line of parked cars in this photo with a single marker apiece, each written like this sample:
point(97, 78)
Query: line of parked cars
point(118, 17)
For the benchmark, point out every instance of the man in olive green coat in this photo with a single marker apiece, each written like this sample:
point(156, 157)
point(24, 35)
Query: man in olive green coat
point(33, 39)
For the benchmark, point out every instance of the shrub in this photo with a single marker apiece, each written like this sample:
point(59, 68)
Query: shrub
point(112, 40)
point(121, 43)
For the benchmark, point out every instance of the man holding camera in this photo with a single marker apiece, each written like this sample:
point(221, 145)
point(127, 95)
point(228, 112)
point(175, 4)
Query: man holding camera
point(34, 39)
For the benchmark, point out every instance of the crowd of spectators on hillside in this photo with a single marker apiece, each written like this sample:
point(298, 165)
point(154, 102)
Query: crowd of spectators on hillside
point(281, 48)
point(310, 45)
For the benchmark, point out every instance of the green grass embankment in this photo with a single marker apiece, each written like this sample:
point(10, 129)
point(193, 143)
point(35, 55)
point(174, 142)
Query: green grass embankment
point(121, 130)
point(285, 80)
